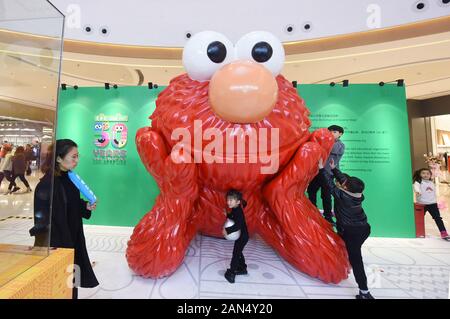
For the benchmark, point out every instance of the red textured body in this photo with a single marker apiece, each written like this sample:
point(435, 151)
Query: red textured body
point(192, 194)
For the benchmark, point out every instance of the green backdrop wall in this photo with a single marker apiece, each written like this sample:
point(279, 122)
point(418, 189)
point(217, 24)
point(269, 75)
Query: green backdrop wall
point(377, 150)
point(376, 139)
point(124, 189)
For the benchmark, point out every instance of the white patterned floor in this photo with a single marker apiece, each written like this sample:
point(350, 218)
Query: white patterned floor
point(396, 268)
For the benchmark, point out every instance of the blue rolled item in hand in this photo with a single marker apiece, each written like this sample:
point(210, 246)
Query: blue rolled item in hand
point(84, 189)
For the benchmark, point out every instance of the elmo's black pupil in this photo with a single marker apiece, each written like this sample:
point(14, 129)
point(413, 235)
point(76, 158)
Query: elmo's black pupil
point(262, 52)
point(217, 52)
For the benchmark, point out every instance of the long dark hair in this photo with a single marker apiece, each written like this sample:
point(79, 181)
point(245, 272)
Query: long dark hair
point(417, 177)
point(63, 147)
point(236, 195)
point(48, 161)
point(19, 150)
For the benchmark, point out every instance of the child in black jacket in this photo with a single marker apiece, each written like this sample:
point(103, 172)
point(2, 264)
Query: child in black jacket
point(351, 220)
point(236, 203)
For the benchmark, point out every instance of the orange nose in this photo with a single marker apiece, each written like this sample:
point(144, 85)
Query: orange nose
point(243, 92)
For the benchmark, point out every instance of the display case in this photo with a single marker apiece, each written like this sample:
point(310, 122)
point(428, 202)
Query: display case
point(31, 39)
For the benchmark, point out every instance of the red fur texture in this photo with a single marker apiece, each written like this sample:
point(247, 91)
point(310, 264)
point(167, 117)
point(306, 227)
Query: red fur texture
point(192, 195)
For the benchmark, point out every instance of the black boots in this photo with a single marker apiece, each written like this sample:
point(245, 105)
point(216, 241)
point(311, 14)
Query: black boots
point(231, 275)
point(241, 270)
point(364, 296)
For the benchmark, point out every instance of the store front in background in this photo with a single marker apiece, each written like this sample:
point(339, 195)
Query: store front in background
point(429, 122)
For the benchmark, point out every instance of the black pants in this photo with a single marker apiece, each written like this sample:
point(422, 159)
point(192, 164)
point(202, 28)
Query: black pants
point(238, 260)
point(7, 175)
point(28, 171)
point(22, 178)
point(74, 293)
point(434, 212)
point(354, 237)
point(316, 184)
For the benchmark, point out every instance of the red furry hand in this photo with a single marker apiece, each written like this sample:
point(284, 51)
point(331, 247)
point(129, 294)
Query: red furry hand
point(306, 233)
point(174, 173)
point(159, 241)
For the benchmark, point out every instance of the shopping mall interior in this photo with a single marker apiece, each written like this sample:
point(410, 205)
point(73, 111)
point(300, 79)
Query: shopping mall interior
point(70, 69)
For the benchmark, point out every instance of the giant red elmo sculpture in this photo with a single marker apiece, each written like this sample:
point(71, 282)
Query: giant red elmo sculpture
point(233, 93)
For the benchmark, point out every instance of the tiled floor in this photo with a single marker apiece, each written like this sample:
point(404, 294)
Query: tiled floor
point(396, 268)
point(20, 202)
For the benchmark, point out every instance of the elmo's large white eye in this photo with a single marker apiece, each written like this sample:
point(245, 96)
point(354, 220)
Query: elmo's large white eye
point(262, 47)
point(205, 53)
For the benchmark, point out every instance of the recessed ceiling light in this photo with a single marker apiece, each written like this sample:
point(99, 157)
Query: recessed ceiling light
point(420, 6)
point(87, 29)
point(307, 26)
point(104, 31)
point(289, 29)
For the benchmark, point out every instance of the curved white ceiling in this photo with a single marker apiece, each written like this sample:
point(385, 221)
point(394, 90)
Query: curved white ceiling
point(13, 10)
point(166, 22)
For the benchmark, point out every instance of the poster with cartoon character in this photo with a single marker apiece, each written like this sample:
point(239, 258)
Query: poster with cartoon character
point(101, 135)
point(120, 134)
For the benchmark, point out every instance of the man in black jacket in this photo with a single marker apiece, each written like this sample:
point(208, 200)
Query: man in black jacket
point(351, 220)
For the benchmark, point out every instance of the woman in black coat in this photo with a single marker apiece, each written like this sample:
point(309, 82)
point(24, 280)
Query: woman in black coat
point(68, 209)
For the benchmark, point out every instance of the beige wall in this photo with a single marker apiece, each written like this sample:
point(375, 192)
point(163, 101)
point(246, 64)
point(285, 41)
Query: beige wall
point(419, 133)
point(26, 112)
point(419, 113)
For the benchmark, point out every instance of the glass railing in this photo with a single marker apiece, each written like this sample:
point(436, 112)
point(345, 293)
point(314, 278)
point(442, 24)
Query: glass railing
point(31, 34)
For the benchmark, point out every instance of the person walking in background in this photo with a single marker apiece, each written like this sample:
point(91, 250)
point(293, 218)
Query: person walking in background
point(28, 158)
point(3, 149)
point(6, 165)
point(19, 167)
